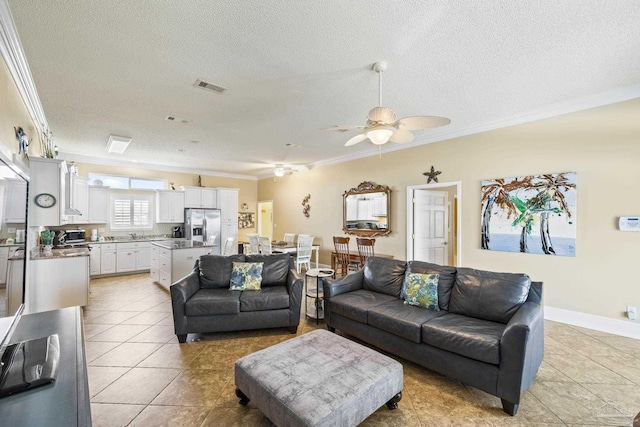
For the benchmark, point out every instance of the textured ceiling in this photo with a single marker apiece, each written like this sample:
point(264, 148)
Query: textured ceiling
point(291, 67)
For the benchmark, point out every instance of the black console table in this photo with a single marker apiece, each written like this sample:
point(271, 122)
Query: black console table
point(65, 402)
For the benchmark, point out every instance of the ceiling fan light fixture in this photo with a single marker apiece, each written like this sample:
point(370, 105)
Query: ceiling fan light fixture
point(380, 135)
point(279, 171)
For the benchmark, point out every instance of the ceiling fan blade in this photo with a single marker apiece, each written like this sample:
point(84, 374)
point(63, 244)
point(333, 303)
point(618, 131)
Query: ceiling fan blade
point(355, 140)
point(401, 136)
point(343, 128)
point(422, 122)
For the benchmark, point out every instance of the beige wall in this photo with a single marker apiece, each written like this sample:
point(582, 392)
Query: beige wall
point(248, 188)
point(14, 113)
point(602, 145)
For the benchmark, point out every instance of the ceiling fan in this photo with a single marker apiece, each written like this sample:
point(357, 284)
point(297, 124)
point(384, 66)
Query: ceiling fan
point(383, 124)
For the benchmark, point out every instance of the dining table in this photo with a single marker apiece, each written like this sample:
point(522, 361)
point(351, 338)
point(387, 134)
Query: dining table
point(280, 247)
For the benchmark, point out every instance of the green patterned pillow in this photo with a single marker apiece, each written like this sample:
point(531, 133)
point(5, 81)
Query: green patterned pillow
point(246, 276)
point(421, 290)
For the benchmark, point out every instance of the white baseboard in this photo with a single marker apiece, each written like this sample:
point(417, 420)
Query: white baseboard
point(625, 328)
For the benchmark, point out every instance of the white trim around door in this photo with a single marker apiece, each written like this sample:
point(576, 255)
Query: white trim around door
point(458, 219)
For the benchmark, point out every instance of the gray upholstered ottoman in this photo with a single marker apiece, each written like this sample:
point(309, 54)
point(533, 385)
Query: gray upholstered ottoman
point(318, 379)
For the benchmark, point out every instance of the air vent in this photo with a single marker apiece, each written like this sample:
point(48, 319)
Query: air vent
point(210, 86)
point(176, 119)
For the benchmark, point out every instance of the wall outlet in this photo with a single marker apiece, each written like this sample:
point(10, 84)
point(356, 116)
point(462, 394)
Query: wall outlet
point(631, 313)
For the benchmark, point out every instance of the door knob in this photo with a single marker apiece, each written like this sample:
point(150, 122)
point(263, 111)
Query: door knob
point(445, 243)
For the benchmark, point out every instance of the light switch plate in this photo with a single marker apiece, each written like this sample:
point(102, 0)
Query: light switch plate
point(629, 223)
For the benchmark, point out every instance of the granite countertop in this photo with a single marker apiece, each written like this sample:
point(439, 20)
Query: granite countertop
point(125, 239)
point(63, 253)
point(182, 244)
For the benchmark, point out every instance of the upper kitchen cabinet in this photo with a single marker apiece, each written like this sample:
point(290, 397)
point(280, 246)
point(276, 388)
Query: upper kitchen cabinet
point(47, 192)
point(227, 202)
point(15, 193)
point(78, 198)
point(199, 197)
point(170, 206)
point(98, 204)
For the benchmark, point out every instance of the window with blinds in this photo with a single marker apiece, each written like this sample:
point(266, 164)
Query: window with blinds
point(131, 212)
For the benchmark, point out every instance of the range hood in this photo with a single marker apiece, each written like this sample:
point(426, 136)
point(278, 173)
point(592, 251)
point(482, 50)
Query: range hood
point(70, 195)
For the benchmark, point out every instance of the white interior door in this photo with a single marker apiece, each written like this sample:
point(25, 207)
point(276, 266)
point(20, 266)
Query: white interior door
point(430, 226)
point(265, 219)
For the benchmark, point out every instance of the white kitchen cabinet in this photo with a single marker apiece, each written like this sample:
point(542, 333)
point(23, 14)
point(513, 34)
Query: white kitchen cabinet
point(14, 205)
point(4, 256)
point(95, 258)
point(352, 211)
point(228, 229)
point(170, 206)
point(199, 197)
point(47, 176)
point(108, 258)
point(173, 265)
point(58, 283)
point(98, 204)
point(133, 256)
point(78, 195)
point(227, 202)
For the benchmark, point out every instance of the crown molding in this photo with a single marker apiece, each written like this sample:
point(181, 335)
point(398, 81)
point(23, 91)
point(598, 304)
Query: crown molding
point(149, 166)
point(598, 100)
point(11, 49)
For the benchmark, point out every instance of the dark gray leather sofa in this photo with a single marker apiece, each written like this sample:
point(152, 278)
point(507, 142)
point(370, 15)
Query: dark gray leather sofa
point(489, 332)
point(202, 301)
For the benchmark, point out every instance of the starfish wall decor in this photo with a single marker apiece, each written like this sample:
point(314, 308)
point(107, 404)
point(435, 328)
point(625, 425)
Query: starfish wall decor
point(432, 176)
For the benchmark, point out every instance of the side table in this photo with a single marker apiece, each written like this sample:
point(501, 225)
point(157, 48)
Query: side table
point(316, 292)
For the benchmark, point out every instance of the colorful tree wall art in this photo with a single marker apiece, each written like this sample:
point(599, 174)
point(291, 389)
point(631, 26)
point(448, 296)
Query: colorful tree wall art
point(533, 214)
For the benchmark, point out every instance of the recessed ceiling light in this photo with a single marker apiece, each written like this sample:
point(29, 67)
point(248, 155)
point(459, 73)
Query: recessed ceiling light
point(210, 86)
point(117, 144)
point(176, 119)
point(288, 144)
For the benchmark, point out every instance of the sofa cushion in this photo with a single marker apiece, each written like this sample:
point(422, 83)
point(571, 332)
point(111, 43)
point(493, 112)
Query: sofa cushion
point(421, 290)
point(474, 338)
point(271, 298)
point(488, 295)
point(246, 276)
point(401, 319)
point(446, 279)
point(208, 302)
point(355, 305)
point(384, 275)
point(275, 270)
point(215, 270)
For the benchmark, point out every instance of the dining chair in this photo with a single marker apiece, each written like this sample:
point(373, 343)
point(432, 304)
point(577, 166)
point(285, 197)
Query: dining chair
point(344, 261)
point(365, 249)
point(228, 246)
point(289, 237)
point(254, 243)
point(265, 245)
point(303, 252)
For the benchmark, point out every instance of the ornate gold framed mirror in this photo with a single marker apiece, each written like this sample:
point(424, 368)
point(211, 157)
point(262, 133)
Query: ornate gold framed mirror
point(367, 210)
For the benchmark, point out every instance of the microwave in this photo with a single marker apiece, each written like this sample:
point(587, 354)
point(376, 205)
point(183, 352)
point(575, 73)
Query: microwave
point(66, 237)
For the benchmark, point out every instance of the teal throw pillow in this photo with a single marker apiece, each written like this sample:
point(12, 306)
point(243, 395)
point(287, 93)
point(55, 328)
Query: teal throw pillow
point(421, 290)
point(246, 276)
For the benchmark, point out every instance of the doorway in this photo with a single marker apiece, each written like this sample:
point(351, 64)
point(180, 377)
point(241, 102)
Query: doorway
point(265, 219)
point(434, 223)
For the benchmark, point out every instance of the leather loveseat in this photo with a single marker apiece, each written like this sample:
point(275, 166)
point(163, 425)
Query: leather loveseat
point(203, 302)
point(489, 332)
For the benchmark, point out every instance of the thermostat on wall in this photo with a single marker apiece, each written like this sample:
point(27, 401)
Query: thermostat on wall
point(629, 223)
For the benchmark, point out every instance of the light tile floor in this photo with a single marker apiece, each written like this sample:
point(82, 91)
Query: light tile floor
point(140, 376)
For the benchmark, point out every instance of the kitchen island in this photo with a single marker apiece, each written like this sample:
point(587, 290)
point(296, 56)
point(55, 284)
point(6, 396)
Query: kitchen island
point(171, 260)
point(58, 281)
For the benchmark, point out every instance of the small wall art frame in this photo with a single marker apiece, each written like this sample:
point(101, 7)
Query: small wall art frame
point(246, 220)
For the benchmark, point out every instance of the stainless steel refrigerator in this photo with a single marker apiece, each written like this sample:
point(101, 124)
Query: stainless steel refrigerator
point(203, 225)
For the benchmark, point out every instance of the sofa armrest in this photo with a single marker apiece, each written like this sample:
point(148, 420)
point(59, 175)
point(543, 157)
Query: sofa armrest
point(332, 288)
point(349, 283)
point(294, 288)
point(181, 291)
point(521, 351)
